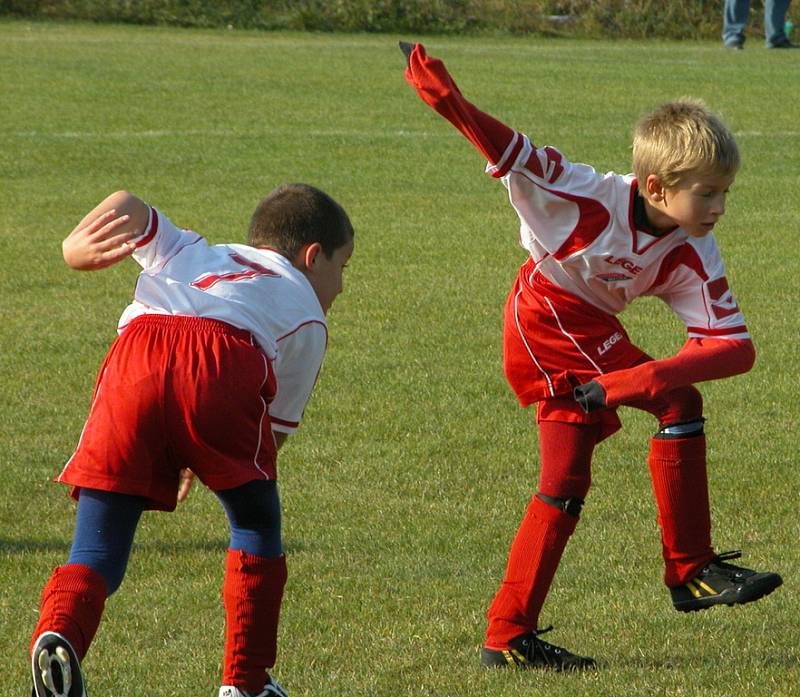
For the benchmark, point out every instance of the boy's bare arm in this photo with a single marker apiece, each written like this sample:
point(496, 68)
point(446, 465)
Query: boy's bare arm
point(435, 86)
point(104, 235)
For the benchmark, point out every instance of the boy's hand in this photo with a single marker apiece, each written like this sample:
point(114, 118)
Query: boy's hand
point(99, 243)
point(590, 396)
point(428, 76)
point(185, 481)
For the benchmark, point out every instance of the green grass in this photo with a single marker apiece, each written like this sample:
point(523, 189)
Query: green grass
point(404, 487)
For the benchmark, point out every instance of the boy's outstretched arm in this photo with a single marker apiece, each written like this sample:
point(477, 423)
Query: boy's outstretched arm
point(699, 360)
point(437, 89)
point(105, 234)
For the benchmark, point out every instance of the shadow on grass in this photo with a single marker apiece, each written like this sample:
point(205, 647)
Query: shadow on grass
point(12, 547)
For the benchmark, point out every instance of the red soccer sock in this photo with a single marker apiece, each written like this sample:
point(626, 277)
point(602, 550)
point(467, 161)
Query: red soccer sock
point(680, 484)
point(71, 605)
point(532, 563)
point(252, 592)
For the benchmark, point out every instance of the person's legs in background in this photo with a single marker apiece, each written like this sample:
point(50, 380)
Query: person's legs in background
point(775, 22)
point(734, 22)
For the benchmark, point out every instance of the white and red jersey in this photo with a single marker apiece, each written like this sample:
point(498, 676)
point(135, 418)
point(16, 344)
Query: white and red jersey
point(253, 289)
point(578, 227)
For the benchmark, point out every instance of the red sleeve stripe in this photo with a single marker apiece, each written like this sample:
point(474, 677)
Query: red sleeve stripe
point(305, 324)
point(509, 157)
point(151, 230)
point(725, 331)
point(283, 422)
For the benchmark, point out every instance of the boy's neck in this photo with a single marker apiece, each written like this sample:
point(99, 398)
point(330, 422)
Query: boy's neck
point(648, 218)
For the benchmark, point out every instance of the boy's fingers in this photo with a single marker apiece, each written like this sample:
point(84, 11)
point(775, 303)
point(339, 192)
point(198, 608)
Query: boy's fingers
point(109, 258)
point(123, 239)
point(185, 484)
point(102, 227)
point(101, 220)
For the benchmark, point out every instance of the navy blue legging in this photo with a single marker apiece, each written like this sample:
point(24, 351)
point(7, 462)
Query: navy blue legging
point(106, 523)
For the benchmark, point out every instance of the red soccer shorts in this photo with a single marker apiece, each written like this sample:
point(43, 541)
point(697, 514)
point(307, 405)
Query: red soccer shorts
point(554, 341)
point(177, 392)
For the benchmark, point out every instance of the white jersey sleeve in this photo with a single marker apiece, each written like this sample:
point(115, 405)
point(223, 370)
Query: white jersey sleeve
point(691, 280)
point(557, 201)
point(297, 366)
point(160, 242)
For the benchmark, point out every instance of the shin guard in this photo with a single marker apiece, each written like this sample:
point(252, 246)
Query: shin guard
point(532, 563)
point(680, 485)
point(72, 604)
point(252, 593)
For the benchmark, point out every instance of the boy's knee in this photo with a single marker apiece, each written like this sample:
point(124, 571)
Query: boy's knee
point(682, 405)
point(254, 515)
point(572, 505)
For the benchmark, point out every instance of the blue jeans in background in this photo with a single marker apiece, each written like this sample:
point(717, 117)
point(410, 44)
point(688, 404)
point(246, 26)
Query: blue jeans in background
point(735, 21)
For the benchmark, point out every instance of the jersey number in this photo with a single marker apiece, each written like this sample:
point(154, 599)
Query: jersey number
point(207, 281)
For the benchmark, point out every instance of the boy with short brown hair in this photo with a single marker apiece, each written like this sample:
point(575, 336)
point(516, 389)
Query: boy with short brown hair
point(215, 361)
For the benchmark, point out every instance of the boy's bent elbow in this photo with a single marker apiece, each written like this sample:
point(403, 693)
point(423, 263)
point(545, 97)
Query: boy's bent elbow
point(125, 203)
point(747, 355)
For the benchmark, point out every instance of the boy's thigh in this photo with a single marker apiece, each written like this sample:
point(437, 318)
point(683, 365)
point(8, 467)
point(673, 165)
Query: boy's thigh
point(218, 414)
point(551, 345)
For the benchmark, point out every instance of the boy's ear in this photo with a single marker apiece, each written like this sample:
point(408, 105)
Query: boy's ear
point(654, 187)
point(307, 255)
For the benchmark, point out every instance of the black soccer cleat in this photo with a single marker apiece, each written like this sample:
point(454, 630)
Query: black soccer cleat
point(529, 651)
point(55, 667)
point(723, 584)
point(272, 688)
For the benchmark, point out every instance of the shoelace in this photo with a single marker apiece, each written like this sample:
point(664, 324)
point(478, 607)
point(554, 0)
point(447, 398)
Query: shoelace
point(725, 556)
point(543, 647)
point(735, 572)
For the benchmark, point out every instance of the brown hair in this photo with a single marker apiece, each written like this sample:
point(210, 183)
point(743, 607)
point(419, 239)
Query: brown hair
point(294, 215)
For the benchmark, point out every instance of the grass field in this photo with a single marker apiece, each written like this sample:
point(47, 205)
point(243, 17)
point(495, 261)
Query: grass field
point(404, 487)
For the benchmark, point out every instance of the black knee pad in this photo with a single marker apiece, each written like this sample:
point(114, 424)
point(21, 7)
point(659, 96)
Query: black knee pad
point(687, 429)
point(572, 505)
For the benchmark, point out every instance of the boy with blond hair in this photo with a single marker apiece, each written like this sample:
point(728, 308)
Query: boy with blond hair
point(215, 360)
point(596, 242)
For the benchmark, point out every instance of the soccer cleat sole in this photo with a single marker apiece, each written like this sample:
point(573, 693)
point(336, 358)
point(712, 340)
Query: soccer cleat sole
point(55, 668)
point(731, 597)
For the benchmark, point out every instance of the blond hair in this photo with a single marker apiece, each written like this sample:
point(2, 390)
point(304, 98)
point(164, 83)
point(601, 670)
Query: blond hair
point(682, 138)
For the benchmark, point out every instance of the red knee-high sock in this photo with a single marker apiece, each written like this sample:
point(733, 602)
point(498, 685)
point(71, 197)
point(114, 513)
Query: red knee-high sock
point(680, 484)
point(532, 563)
point(71, 605)
point(252, 592)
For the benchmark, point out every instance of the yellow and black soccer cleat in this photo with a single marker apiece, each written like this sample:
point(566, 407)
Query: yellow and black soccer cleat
point(723, 584)
point(529, 651)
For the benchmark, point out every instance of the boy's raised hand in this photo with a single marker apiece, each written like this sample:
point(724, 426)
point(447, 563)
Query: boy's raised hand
point(427, 75)
point(100, 242)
